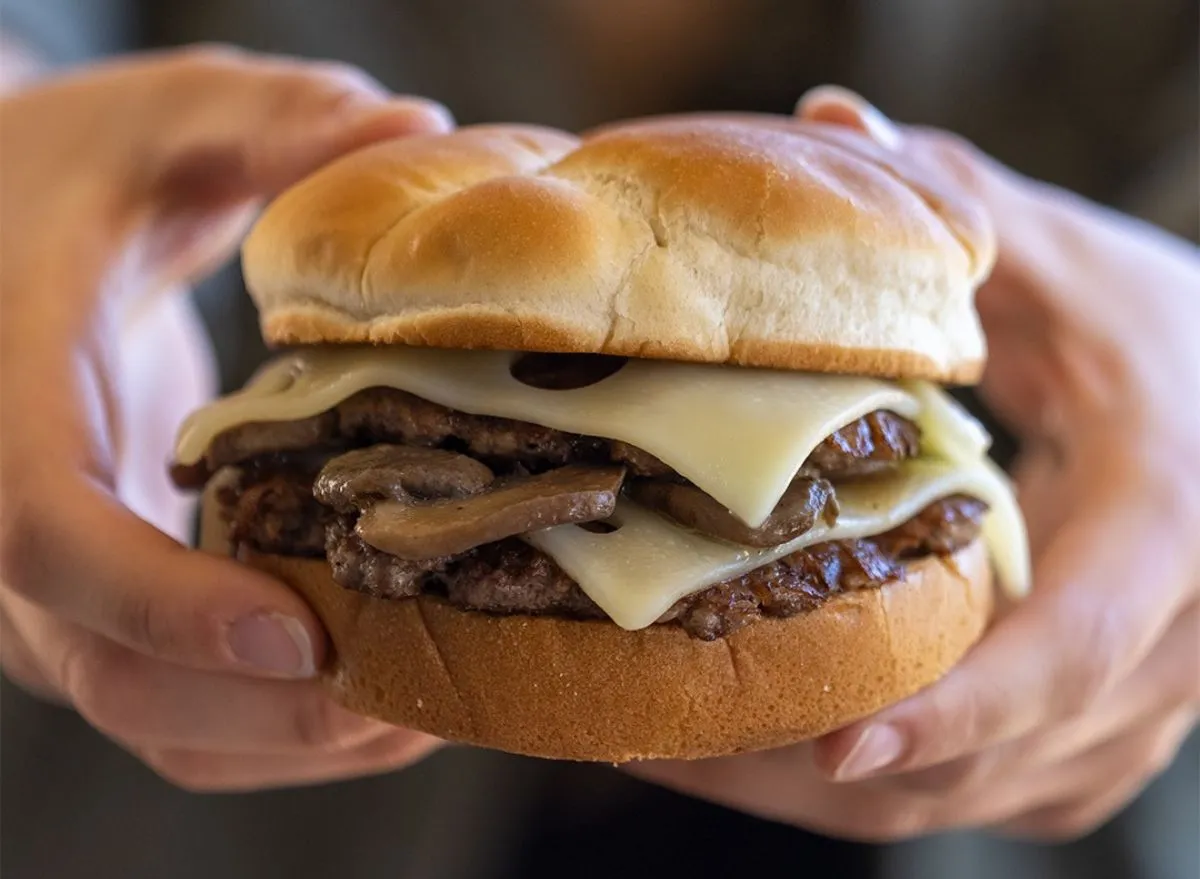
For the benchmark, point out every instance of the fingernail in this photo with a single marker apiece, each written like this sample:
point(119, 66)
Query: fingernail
point(273, 643)
point(817, 103)
point(878, 746)
point(442, 116)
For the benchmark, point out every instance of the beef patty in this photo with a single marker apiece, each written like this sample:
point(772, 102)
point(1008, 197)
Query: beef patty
point(277, 513)
point(512, 577)
point(270, 505)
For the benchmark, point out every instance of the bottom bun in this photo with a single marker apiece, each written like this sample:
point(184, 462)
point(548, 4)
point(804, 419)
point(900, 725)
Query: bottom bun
point(589, 690)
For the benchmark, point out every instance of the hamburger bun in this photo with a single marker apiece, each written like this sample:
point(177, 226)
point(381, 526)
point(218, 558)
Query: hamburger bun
point(747, 241)
point(741, 240)
point(588, 690)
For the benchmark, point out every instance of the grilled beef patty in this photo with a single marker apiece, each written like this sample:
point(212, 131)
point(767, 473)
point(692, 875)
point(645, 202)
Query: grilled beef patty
point(277, 513)
point(512, 577)
point(270, 505)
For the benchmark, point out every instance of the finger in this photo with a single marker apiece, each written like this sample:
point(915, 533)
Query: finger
point(1097, 780)
point(1026, 352)
point(20, 664)
point(74, 550)
point(68, 545)
point(244, 162)
point(844, 117)
point(150, 704)
point(840, 106)
point(781, 784)
point(1123, 768)
point(249, 124)
point(208, 120)
point(925, 148)
point(252, 127)
point(203, 771)
point(1165, 684)
point(1107, 589)
point(784, 785)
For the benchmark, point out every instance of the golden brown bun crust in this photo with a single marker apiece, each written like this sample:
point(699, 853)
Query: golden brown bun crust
point(588, 690)
point(757, 241)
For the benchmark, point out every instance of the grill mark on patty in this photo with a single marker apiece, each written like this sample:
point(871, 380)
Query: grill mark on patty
point(270, 506)
point(512, 577)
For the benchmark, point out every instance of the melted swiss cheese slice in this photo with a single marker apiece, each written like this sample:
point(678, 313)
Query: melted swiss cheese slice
point(740, 435)
point(638, 571)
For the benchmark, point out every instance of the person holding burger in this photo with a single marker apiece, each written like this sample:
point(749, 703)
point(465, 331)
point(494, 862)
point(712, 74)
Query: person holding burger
point(206, 668)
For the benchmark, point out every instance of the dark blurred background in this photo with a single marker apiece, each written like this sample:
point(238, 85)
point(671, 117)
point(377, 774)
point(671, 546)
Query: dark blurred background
point(1097, 95)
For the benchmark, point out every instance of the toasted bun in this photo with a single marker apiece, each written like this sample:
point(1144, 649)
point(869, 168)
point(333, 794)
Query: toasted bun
point(749, 240)
point(588, 690)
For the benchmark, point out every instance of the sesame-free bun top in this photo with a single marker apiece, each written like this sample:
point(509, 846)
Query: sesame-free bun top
point(755, 241)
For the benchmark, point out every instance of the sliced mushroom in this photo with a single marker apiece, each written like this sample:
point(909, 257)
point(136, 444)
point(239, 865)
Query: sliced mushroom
point(360, 478)
point(413, 530)
point(797, 511)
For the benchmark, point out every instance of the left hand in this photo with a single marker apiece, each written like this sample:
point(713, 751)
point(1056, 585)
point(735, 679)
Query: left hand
point(119, 181)
point(1081, 694)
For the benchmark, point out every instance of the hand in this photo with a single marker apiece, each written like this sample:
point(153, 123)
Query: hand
point(121, 182)
point(1082, 693)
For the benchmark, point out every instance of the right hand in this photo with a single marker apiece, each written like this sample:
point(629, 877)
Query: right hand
point(1080, 694)
point(120, 181)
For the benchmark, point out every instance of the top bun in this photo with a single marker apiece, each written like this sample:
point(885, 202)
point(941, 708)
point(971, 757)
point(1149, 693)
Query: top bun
point(757, 241)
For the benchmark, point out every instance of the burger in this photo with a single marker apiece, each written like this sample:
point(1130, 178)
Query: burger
point(623, 447)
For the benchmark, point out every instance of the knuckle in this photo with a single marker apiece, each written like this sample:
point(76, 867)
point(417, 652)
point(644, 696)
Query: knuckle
point(97, 677)
point(951, 721)
point(952, 146)
point(194, 773)
point(1191, 690)
point(1175, 501)
point(31, 681)
point(144, 621)
point(1065, 825)
point(1163, 748)
point(137, 622)
point(21, 666)
point(21, 563)
point(954, 153)
point(207, 57)
point(312, 90)
point(344, 79)
point(320, 724)
point(893, 822)
point(955, 778)
point(1097, 663)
